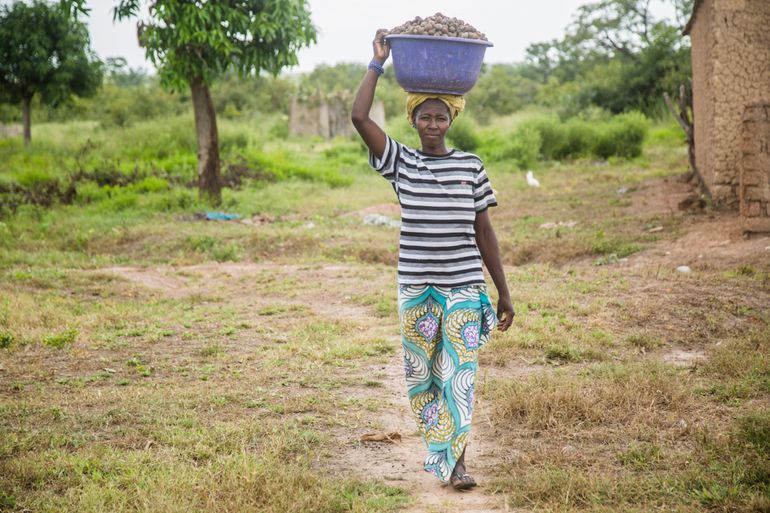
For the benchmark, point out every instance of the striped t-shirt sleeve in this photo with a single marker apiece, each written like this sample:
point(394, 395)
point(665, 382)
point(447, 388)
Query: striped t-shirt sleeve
point(483, 196)
point(386, 165)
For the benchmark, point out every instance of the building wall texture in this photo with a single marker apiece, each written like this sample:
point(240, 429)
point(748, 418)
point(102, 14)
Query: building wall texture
point(754, 190)
point(328, 117)
point(731, 69)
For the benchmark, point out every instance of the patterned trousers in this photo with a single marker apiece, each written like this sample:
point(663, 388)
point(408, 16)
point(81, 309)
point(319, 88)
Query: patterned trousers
point(442, 329)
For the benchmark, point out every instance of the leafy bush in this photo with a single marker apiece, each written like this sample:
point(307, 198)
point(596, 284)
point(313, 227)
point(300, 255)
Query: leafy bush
point(120, 199)
point(35, 178)
point(521, 147)
point(173, 200)
point(90, 192)
point(669, 135)
point(6, 339)
point(553, 136)
point(620, 136)
point(151, 184)
point(400, 129)
point(581, 139)
point(281, 165)
point(59, 340)
point(463, 134)
point(623, 136)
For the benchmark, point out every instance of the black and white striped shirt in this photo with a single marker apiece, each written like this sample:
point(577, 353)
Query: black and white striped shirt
point(439, 199)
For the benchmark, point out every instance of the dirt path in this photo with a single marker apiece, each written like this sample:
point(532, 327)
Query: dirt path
point(399, 464)
point(706, 243)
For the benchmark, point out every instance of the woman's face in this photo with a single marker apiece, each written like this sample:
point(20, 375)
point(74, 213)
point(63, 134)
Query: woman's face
point(432, 120)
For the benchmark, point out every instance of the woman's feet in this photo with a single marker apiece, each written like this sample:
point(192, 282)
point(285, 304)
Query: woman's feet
point(460, 479)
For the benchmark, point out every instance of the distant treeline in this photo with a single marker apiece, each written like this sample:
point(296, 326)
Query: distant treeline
point(614, 57)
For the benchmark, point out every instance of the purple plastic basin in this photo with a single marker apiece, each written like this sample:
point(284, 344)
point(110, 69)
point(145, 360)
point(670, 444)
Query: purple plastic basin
point(436, 64)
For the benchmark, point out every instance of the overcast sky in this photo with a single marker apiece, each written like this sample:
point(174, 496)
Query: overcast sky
point(346, 27)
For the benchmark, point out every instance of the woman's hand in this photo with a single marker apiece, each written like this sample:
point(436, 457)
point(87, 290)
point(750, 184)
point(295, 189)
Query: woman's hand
point(505, 314)
point(380, 46)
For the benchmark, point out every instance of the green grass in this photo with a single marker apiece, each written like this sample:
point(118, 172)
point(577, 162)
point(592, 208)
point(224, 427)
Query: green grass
point(153, 361)
point(244, 468)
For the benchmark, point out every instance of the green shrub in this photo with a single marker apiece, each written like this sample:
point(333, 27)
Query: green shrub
point(580, 139)
point(90, 192)
point(120, 199)
point(35, 177)
point(62, 339)
point(280, 165)
point(173, 199)
point(279, 128)
point(6, 339)
point(151, 184)
point(463, 134)
point(226, 252)
point(346, 152)
point(201, 244)
point(400, 129)
point(553, 136)
point(669, 135)
point(623, 136)
point(180, 165)
point(521, 147)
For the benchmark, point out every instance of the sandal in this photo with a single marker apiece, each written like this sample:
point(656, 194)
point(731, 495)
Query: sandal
point(462, 481)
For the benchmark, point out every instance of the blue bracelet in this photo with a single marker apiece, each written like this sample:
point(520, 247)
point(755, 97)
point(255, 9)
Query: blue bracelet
point(376, 67)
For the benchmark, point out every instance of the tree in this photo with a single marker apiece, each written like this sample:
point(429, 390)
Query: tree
point(621, 55)
point(45, 51)
point(119, 73)
point(502, 89)
point(192, 43)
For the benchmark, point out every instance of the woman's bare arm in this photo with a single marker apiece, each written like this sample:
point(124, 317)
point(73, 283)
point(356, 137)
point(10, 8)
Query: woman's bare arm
point(486, 240)
point(370, 132)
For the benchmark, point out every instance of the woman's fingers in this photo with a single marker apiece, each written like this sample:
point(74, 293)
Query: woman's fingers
point(505, 319)
point(379, 37)
point(381, 49)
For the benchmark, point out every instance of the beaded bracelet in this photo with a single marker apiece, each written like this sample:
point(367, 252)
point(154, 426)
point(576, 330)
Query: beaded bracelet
point(376, 67)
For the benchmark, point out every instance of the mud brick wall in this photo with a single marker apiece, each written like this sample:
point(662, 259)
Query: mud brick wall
point(755, 168)
point(731, 68)
point(327, 118)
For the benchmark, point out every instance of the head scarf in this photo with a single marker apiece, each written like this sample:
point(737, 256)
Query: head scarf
point(455, 103)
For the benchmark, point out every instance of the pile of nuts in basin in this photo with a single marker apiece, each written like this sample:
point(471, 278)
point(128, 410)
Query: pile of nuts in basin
point(439, 25)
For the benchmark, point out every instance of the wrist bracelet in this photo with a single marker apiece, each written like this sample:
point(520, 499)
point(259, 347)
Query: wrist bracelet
point(376, 67)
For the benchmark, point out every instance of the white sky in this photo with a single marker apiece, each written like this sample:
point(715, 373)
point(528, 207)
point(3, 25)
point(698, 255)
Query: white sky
point(346, 27)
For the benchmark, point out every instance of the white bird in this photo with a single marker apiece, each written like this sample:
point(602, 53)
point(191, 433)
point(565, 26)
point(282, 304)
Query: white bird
point(531, 180)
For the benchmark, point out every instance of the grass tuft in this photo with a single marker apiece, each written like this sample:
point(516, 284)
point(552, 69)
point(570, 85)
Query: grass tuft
point(61, 339)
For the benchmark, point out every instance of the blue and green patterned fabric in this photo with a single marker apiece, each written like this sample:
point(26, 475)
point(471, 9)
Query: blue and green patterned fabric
point(442, 329)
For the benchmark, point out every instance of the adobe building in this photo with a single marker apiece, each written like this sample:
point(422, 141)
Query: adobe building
point(327, 116)
point(731, 87)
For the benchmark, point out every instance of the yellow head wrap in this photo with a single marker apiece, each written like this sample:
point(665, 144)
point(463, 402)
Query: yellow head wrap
point(456, 103)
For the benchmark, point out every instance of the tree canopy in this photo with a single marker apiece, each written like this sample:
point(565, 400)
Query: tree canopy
point(615, 54)
point(201, 40)
point(44, 51)
point(192, 43)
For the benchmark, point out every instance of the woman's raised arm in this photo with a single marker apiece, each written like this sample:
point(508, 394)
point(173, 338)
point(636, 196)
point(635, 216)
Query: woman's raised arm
point(373, 136)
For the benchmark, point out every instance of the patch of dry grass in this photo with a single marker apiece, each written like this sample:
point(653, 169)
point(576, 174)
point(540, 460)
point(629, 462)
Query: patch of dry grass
point(608, 395)
point(228, 387)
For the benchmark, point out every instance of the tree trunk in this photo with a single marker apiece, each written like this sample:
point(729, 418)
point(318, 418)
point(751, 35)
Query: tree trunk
point(687, 124)
point(209, 178)
point(25, 112)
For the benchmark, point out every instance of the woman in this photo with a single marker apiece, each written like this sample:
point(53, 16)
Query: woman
point(445, 313)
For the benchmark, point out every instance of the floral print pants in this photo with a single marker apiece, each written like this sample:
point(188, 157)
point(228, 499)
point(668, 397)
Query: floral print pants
point(442, 329)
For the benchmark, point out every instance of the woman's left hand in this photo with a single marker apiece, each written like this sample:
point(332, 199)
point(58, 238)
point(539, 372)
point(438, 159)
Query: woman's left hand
point(505, 314)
